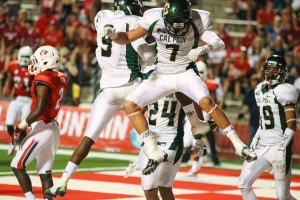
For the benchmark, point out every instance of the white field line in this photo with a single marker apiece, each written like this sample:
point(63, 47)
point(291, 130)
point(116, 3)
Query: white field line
point(131, 158)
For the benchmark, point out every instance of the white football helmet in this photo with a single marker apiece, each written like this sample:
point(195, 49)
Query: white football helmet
point(44, 58)
point(24, 56)
point(202, 69)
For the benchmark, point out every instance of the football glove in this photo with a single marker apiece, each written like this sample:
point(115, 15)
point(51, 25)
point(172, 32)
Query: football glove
point(194, 53)
point(198, 148)
point(109, 32)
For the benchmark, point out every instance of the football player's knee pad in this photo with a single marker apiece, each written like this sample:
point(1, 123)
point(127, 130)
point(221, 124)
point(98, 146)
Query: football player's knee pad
point(10, 130)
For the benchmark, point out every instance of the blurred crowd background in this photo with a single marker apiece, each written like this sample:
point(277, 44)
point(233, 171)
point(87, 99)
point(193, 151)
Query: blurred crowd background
point(251, 29)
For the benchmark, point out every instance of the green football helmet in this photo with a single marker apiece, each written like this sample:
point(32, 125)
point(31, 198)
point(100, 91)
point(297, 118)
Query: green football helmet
point(129, 7)
point(277, 76)
point(177, 17)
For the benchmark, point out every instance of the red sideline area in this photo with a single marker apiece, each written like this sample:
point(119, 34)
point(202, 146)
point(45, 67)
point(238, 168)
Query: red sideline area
point(116, 136)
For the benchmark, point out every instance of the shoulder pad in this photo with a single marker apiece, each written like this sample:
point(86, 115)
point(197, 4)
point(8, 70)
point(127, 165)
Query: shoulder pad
point(286, 94)
point(202, 18)
point(43, 78)
point(150, 16)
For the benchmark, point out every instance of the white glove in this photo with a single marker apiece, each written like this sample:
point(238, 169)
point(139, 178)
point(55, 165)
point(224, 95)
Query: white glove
point(280, 161)
point(194, 53)
point(109, 32)
point(254, 142)
point(198, 148)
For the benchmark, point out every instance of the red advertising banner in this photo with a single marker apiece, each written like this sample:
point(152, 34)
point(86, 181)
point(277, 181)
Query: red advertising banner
point(117, 136)
point(73, 121)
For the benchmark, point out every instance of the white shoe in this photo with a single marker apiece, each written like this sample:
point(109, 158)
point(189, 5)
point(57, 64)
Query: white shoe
point(191, 174)
point(11, 150)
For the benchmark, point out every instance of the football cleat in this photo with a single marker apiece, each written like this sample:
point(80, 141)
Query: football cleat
point(152, 165)
point(52, 192)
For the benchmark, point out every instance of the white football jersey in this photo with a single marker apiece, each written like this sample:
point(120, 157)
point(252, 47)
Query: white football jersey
point(271, 108)
point(166, 118)
point(172, 51)
point(119, 63)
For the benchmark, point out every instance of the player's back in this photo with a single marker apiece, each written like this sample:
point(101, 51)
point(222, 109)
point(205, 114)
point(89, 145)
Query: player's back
point(57, 84)
point(116, 61)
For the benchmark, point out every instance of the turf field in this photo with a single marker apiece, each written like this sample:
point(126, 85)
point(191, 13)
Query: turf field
point(100, 177)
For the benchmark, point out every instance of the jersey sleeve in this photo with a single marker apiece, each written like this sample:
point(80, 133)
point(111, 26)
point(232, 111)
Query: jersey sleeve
point(150, 17)
point(286, 94)
point(206, 19)
point(102, 15)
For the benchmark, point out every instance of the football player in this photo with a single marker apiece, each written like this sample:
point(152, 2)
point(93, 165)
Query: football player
point(165, 118)
point(273, 140)
point(177, 30)
point(18, 83)
point(120, 75)
point(41, 143)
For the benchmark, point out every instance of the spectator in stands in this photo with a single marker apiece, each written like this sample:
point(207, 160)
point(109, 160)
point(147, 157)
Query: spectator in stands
point(69, 68)
point(65, 8)
point(10, 35)
point(232, 52)
point(52, 36)
point(250, 106)
point(237, 74)
point(242, 9)
point(42, 23)
point(290, 35)
point(254, 53)
point(274, 30)
point(265, 16)
point(48, 6)
point(250, 34)
point(288, 15)
point(278, 48)
point(224, 34)
point(30, 36)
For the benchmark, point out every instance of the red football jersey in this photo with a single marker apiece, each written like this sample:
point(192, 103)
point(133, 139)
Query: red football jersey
point(22, 78)
point(57, 82)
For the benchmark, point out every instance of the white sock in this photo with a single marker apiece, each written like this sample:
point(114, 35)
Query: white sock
point(69, 171)
point(248, 194)
point(29, 196)
point(234, 138)
point(191, 114)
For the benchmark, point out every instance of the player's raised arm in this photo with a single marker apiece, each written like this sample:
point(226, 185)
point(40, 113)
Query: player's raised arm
point(124, 37)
